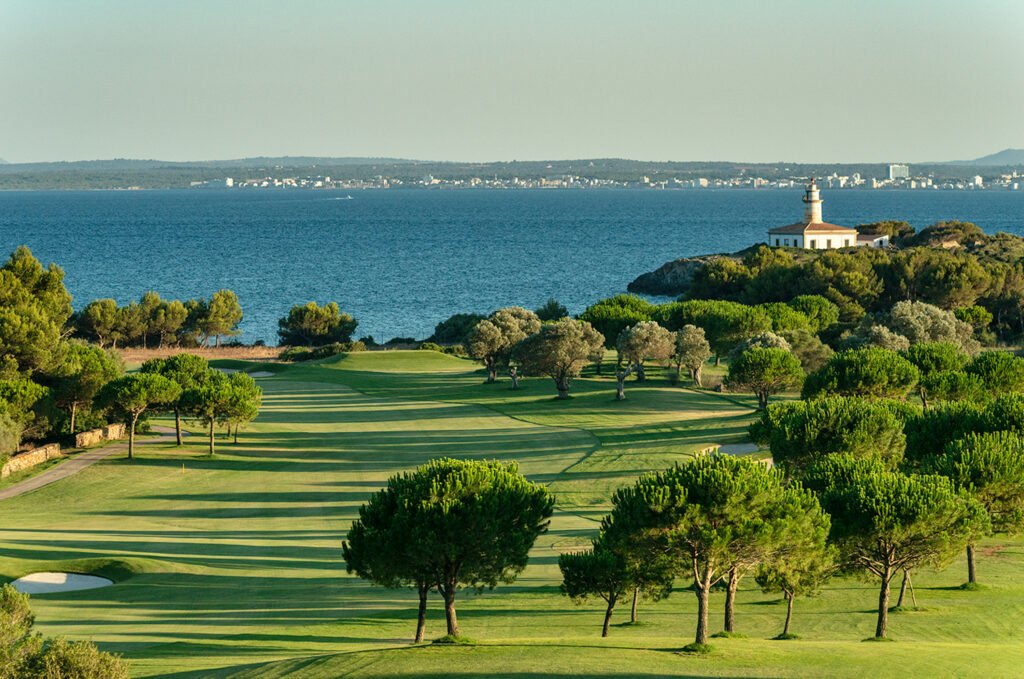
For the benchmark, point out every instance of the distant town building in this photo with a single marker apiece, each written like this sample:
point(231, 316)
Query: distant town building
point(229, 182)
point(815, 234)
point(899, 172)
point(977, 180)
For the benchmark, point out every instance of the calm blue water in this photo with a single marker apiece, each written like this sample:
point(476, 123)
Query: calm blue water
point(400, 261)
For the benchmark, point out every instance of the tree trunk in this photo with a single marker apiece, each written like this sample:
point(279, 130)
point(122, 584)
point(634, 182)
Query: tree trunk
point(972, 576)
point(492, 371)
point(789, 612)
point(449, 610)
point(641, 376)
point(599, 362)
point(620, 376)
point(718, 360)
point(903, 589)
point(608, 615)
point(236, 434)
point(913, 594)
point(177, 424)
point(74, 409)
point(421, 618)
point(632, 611)
point(762, 400)
point(883, 605)
point(679, 373)
point(218, 341)
point(562, 384)
point(730, 600)
point(211, 437)
point(701, 590)
point(131, 437)
point(514, 374)
point(698, 375)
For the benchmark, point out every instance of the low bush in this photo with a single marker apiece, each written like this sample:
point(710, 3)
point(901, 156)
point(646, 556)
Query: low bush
point(429, 346)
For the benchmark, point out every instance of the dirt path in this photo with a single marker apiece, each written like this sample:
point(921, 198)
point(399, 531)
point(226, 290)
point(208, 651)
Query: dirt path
point(75, 464)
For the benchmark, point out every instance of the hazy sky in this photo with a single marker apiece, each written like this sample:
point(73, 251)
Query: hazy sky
point(843, 80)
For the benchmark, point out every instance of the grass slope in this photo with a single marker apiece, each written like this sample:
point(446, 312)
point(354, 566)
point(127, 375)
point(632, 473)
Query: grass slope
point(230, 566)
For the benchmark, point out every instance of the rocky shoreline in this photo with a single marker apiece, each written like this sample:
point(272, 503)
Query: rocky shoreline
point(671, 278)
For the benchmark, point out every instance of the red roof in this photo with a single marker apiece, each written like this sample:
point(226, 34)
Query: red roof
point(812, 227)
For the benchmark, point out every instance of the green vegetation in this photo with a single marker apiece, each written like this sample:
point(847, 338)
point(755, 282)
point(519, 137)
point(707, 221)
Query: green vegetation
point(232, 562)
point(309, 325)
point(23, 655)
point(153, 321)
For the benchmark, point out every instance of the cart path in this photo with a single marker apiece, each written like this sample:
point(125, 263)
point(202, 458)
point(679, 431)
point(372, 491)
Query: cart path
point(75, 464)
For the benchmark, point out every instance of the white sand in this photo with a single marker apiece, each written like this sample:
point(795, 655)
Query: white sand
point(42, 583)
point(738, 448)
point(258, 373)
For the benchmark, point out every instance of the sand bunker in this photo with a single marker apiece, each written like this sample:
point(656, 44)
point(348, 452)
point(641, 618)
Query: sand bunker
point(258, 373)
point(42, 583)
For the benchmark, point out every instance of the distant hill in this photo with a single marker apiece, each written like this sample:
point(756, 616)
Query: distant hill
point(120, 164)
point(1005, 158)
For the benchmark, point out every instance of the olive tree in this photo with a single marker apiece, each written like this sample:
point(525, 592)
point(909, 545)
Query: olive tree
point(886, 522)
point(559, 350)
point(134, 394)
point(764, 372)
point(491, 341)
point(643, 341)
point(466, 523)
point(693, 351)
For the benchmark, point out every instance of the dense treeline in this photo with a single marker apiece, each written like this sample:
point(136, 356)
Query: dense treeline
point(974, 269)
point(53, 385)
point(154, 322)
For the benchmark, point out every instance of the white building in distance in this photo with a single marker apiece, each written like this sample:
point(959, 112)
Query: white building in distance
point(899, 172)
point(814, 234)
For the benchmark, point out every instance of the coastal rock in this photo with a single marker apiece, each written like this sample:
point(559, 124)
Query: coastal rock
point(671, 278)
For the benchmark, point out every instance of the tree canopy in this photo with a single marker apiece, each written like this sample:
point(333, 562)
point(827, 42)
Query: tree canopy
point(764, 372)
point(559, 350)
point(491, 341)
point(645, 340)
point(469, 523)
point(870, 372)
point(135, 393)
point(885, 522)
point(312, 325)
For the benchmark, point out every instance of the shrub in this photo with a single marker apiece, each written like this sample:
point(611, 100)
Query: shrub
point(429, 346)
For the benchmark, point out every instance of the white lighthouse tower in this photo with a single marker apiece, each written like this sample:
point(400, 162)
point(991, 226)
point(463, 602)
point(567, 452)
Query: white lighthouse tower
point(812, 204)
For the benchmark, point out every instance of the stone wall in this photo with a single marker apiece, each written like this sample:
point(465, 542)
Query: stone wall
point(110, 432)
point(30, 459)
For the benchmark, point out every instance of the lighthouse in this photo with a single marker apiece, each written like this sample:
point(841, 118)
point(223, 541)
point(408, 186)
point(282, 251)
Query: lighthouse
point(815, 234)
point(812, 204)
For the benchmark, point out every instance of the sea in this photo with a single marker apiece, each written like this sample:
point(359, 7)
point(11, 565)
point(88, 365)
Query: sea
point(400, 261)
